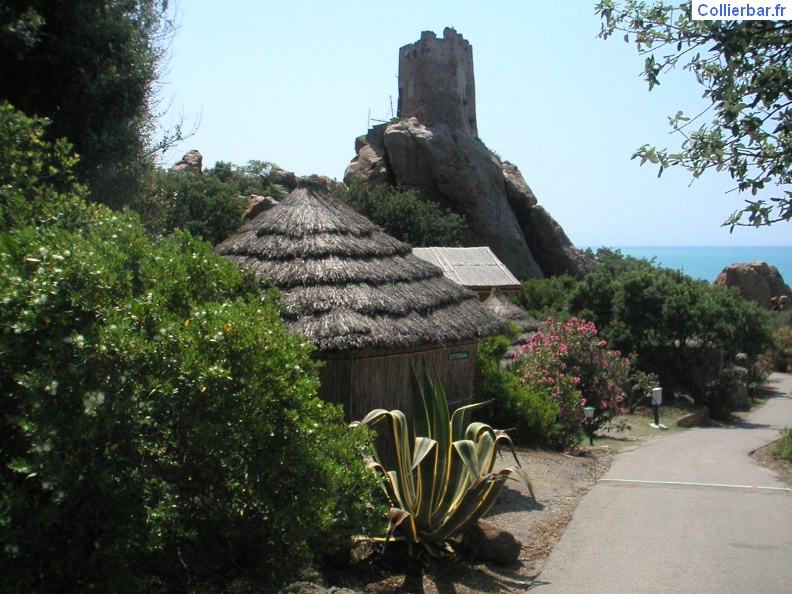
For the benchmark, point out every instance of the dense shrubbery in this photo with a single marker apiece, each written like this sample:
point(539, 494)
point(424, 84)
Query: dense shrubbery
point(159, 427)
point(547, 297)
point(579, 370)
point(207, 207)
point(91, 66)
point(525, 409)
point(253, 178)
point(208, 204)
point(666, 321)
point(644, 309)
point(782, 351)
point(405, 216)
point(563, 367)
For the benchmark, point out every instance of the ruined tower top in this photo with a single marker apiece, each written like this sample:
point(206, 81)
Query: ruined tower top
point(436, 82)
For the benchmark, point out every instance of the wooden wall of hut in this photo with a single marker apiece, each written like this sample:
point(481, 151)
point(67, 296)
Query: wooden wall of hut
point(367, 379)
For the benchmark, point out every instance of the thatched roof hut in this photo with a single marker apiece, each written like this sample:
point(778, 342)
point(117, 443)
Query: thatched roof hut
point(370, 306)
point(500, 305)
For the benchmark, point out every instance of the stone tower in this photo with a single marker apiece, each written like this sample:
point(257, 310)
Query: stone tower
point(436, 82)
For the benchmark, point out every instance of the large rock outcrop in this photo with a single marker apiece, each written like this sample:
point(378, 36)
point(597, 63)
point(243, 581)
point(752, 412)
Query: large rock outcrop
point(757, 282)
point(192, 161)
point(456, 170)
point(433, 148)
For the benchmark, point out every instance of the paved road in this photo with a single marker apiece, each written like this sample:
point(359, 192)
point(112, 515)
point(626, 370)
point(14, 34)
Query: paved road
point(687, 512)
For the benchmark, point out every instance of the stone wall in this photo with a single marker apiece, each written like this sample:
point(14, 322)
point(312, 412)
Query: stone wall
point(436, 83)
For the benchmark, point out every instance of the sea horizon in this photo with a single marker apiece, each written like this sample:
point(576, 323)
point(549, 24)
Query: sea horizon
point(707, 262)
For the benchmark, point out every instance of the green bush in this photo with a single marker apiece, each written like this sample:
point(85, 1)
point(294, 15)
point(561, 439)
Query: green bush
point(783, 447)
point(36, 179)
point(525, 410)
point(158, 426)
point(547, 297)
point(721, 395)
point(782, 349)
point(252, 178)
point(579, 370)
point(405, 216)
point(201, 204)
point(667, 320)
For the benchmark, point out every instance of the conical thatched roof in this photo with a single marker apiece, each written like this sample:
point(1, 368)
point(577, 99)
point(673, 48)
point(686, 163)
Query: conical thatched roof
point(501, 306)
point(347, 285)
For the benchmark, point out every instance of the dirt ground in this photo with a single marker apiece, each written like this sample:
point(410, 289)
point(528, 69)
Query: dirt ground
point(559, 481)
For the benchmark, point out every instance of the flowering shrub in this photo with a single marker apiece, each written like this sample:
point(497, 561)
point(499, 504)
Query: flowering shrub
point(760, 371)
point(578, 370)
point(722, 395)
point(782, 353)
point(526, 410)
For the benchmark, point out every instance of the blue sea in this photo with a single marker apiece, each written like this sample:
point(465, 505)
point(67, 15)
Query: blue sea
point(707, 262)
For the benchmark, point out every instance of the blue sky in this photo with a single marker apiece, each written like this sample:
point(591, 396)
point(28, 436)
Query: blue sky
point(293, 82)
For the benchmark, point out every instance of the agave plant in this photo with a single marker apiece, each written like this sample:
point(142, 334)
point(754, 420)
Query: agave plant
point(443, 482)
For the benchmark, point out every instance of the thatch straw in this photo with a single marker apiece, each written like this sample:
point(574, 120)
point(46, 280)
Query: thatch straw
point(347, 285)
point(500, 305)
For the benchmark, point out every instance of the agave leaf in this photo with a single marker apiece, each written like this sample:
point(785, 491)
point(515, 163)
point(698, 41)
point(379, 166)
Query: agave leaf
point(486, 451)
point(467, 452)
point(476, 501)
point(421, 414)
point(396, 517)
point(458, 419)
point(423, 446)
point(442, 481)
point(371, 419)
point(457, 481)
point(523, 478)
point(434, 422)
point(501, 435)
point(431, 474)
point(401, 480)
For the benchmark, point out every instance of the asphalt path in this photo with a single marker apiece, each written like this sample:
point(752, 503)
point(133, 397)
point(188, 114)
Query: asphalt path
point(686, 512)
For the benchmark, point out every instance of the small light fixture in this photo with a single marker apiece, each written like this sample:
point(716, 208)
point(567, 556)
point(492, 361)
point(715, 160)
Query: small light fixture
point(589, 412)
point(657, 400)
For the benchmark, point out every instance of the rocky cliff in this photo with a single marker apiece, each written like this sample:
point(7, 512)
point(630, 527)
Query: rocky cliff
point(456, 170)
point(433, 148)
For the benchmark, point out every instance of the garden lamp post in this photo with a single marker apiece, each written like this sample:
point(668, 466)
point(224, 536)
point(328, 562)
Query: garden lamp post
point(589, 412)
point(657, 400)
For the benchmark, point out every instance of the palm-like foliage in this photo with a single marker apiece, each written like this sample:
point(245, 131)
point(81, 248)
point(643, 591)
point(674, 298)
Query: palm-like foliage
point(444, 482)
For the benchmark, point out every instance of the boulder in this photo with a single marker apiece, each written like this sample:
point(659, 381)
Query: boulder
point(487, 542)
point(256, 205)
point(192, 161)
point(458, 172)
point(758, 282)
point(286, 181)
point(433, 147)
point(368, 164)
point(694, 419)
